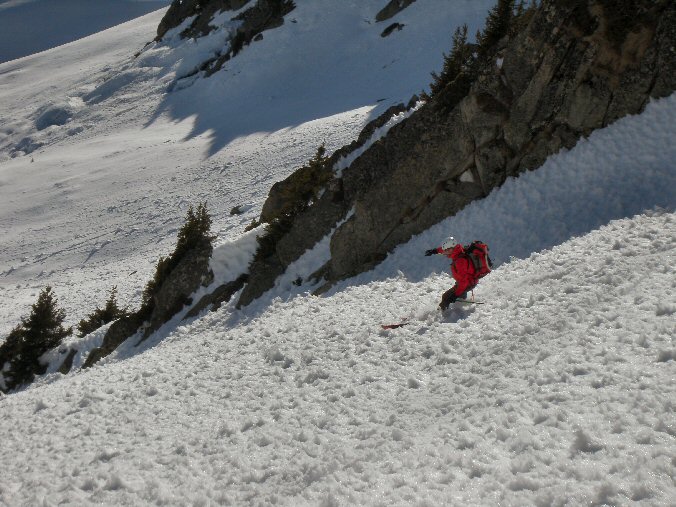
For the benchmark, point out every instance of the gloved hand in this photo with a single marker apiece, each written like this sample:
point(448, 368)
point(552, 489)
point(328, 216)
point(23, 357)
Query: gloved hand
point(431, 251)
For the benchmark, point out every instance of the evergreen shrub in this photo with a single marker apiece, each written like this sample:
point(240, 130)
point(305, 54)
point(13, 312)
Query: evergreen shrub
point(38, 333)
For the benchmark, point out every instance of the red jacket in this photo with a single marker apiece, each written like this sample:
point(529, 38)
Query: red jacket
point(462, 269)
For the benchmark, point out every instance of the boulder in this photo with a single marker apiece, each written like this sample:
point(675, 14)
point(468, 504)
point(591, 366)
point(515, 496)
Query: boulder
point(216, 298)
point(391, 28)
point(117, 333)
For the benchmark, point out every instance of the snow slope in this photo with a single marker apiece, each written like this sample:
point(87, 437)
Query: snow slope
point(32, 26)
point(558, 391)
point(99, 160)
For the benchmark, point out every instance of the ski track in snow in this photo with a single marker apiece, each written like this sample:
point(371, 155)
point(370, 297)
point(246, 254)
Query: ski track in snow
point(558, 391)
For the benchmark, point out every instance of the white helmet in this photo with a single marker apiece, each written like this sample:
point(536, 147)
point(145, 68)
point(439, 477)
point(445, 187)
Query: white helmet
point(449, 243)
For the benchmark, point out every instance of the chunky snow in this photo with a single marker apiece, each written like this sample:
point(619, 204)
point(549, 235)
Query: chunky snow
point(559, 390)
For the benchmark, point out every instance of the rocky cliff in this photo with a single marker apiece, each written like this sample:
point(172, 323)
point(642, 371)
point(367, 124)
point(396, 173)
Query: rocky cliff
point(249, 24)
point(573, 67)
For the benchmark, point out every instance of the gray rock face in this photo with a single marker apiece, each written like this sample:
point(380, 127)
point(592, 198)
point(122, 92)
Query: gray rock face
point(310, 226)
point(553, 87)
point(279, 195)
point(180, 10)
point(261, 16)
point(563, 76)
point(191, 272)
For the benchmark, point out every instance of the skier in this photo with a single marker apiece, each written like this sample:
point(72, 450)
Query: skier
point(469, 264)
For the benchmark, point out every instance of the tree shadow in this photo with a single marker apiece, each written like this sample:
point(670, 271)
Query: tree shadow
point(225, 112)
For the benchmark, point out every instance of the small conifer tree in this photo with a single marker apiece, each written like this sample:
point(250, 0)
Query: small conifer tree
point(196, 229)
point(195, 232)
point(463, 63)
point(523, 13)
point(38, 333)
point(459, 60)
point(306, 183)
point(101, 316)
point(497, 26)
point(10, 347)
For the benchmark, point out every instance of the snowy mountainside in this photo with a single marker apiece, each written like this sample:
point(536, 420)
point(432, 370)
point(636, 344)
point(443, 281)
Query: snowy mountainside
point(538, 210)
point(558, 391)
point(99, 160)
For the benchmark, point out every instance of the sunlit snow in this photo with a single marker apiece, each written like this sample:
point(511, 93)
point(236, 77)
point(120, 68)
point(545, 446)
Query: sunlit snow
point(559, 390)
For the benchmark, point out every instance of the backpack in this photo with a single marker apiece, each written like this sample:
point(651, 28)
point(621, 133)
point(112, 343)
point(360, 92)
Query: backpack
point(477, 253)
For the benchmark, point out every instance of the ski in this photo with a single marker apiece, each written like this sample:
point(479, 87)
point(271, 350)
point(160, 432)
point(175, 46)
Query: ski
point(403, 322)
point(393, 326)
point(407, 321)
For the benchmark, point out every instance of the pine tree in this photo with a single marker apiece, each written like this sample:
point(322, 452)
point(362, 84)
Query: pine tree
point(497, 26)
point(101, 316)
point(297, 191)
point(308, 181)
point(43, 328)
point(459, 60)
point(10, 347)
point(8, 350)
point(523, 13)
point(38, 333)
point(195, 232)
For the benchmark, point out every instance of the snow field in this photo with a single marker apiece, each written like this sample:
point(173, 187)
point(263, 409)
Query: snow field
point(558, 391)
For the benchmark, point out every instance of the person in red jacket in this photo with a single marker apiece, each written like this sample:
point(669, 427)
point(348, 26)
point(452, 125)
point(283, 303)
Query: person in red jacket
point(466, 269)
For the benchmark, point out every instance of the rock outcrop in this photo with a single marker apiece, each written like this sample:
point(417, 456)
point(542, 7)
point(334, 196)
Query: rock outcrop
point(202, 11)
point(310, 226)
point(552, 84)
point(191, 272)
point(261, 16)
point(578, 65)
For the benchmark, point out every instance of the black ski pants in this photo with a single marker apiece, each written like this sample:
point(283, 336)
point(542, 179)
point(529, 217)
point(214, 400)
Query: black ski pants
point(449, 297)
